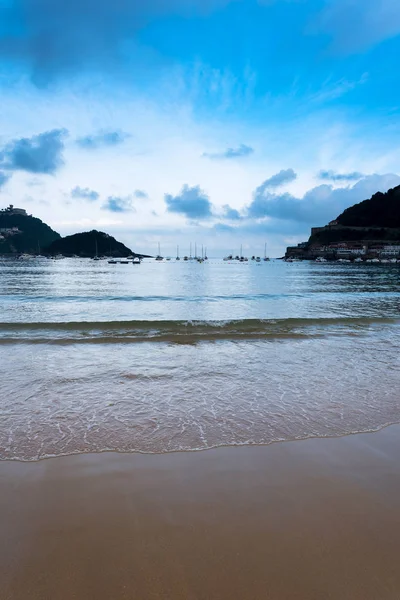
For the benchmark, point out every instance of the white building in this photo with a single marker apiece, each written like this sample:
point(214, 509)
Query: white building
point(390, 250)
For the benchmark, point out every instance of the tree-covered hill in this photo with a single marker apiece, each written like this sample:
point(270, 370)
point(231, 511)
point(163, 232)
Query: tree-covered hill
point(87, 244)
point(32, 235)
point(382, 210)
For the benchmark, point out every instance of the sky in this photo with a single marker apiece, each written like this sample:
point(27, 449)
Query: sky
point(220, 122)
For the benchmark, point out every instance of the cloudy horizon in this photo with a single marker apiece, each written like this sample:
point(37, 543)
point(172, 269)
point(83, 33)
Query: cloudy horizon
point(221, 122)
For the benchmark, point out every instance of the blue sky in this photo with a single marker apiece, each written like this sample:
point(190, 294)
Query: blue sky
point(224, 122)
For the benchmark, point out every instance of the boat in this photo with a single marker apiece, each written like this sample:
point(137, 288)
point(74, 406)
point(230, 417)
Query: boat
point(242, 258)
point(124, 262)
point(258, 259)
point(185, 258)
point(136, 261)
point(177, 253)
point(112, 262)
point(205, 253)
point(229, 257)
point(266, 258)
point(320, 259)
point(159, 257)
point(95, 257)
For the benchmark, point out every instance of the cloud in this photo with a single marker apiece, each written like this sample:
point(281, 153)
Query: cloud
point(101, 139)
point(238, 152)
point(191, 202)
point(356, 25)
point(4, 177)
point(229, 213)
point(55, 37)
point(117, 204)
point(85, 193)
point(320, 204)
point(223, 228)
point(281, 178)
point(140, 194)
point(334, 176)
point(42, 153)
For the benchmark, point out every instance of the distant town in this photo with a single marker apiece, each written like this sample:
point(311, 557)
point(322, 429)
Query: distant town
point(363, 249)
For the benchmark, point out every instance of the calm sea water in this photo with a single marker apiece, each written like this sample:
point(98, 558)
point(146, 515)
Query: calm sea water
point(183, 356)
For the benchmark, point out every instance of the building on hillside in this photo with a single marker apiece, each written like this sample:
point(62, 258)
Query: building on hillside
point(391, 250)
point(11, 210)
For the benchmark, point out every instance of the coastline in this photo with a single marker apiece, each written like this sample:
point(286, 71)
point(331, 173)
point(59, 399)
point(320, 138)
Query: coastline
point(315, 518)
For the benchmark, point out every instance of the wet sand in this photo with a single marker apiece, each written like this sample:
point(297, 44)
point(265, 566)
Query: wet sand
point(316, 519)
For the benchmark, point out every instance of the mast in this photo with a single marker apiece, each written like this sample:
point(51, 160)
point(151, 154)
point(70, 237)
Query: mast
point(190, 254)
point(177, 252)
point(241, 252)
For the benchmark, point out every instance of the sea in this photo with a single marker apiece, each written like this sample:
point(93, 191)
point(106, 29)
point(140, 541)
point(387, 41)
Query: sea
point(183, 356)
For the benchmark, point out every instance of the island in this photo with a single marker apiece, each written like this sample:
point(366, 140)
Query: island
point(368, 231)
point(88, 245)
point(21, 233)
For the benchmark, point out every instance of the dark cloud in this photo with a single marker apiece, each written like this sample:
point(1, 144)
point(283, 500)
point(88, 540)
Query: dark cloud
point(4, 177)
point(101, 139)
point(231, 214)
point(334, 176)
point(238, 152)
point(320, 204)
point(277, 180)
point(140, 194)
point(191, 202)
point(118, 205)
point(42, 153)
point(85, 193)
point(56, 37)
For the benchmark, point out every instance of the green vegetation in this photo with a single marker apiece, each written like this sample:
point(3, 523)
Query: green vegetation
point(88, 244)
point(382, 210)
point(32, 235)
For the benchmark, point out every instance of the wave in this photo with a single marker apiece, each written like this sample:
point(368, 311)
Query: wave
point(184, 331)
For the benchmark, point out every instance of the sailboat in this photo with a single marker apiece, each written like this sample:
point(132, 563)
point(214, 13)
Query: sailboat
point(242, 258)
point(159, 257)
point(177, 253)
point(265, 253)
point(96, 257)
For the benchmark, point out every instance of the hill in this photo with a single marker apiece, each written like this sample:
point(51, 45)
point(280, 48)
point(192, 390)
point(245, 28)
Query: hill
point(21, 233)
point(382, 210)
point(89, 243)
point(372, 224)
point(375, 219)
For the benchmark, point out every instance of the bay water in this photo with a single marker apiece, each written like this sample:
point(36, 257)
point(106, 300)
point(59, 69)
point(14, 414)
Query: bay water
point(181, 356)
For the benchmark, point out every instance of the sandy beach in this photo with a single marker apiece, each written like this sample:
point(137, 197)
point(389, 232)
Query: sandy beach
point(296, 520)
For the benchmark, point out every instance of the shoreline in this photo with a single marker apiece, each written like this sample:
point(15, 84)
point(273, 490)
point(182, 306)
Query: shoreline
point(305, 519)
point(195, 450)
